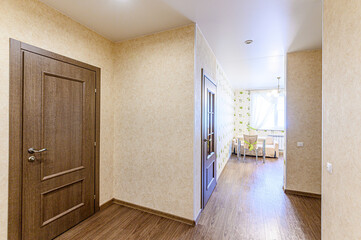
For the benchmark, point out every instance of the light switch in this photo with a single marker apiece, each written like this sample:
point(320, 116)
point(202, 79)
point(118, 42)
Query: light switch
point(299, 144)
point(329, 167)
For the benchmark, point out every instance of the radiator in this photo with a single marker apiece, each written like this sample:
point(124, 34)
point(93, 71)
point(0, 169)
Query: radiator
point(280, 139)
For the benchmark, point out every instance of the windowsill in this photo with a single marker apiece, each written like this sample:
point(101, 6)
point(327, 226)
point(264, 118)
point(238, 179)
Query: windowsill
point(270, 130)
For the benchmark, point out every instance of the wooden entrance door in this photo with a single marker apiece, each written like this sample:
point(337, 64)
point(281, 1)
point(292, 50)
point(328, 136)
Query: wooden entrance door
point(58, 145)
point(209, 138)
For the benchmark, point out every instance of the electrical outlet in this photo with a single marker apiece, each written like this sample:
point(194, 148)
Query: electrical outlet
point(299, 144)
point(329, 167)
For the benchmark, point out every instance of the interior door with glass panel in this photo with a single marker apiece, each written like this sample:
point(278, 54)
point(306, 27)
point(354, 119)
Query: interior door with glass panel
point(209, 138)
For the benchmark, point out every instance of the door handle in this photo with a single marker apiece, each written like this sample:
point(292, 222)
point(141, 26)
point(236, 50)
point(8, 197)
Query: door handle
point(32, 150)
point(206, 140)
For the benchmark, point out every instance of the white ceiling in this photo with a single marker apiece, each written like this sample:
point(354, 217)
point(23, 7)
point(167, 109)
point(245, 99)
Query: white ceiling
point(276, 26)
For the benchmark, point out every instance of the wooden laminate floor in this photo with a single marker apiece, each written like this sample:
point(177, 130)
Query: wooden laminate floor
point(248, 203)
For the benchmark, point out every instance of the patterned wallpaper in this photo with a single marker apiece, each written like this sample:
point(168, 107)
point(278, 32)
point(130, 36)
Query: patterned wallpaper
point(242, 115)
point(225, 107)
point(242, 104)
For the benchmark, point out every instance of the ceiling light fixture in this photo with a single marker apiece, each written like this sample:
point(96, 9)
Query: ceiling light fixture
point(248, 42)
point(274, 92)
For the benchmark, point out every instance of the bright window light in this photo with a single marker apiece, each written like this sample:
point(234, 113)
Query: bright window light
point(267, 110)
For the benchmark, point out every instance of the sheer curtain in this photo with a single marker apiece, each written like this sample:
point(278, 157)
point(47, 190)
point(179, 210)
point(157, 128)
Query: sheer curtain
point(267, 110)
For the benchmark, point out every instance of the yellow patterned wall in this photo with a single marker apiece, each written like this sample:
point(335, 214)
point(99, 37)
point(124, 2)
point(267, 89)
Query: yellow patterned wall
point(242, 115)
point(242, 112)
point(225, 124)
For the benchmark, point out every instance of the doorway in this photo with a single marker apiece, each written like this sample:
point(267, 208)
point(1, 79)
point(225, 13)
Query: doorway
point(209, 138)
point(54, 142)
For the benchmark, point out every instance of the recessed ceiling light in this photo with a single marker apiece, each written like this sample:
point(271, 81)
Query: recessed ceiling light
point(248, 41)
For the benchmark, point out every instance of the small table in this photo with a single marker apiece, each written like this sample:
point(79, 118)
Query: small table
point(263, 139)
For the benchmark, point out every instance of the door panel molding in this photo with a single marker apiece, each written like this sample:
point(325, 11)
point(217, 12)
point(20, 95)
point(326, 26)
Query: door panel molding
point(59, 76)
point(52, 82)
point(60, 173)
point(17, 50)
point(67, 211)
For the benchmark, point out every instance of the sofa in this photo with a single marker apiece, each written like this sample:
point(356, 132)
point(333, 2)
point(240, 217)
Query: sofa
point(272, 148)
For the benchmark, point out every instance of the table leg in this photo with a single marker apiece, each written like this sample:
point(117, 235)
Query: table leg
point(264, 151)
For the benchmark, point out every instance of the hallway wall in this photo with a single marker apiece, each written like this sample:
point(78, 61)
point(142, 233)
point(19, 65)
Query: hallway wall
point(225, 123)
point(341, 190)
point(304, 121)
point(154, 121)
point(205, 58)
point(35, 23)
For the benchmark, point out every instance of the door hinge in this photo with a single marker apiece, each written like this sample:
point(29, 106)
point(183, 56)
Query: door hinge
point(95, 90)
point(95, 144)
point(95, 197)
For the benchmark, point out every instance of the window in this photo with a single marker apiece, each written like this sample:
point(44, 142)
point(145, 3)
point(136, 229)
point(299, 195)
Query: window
point(268, 110)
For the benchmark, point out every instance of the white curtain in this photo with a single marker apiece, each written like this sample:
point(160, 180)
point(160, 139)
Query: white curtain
point(267, 110)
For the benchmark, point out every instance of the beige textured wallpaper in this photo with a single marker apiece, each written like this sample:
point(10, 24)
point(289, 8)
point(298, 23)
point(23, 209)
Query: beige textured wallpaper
point(154, 121)
point(341, 190)
point(150, 105)
point(33, 22)
point(304, 121)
